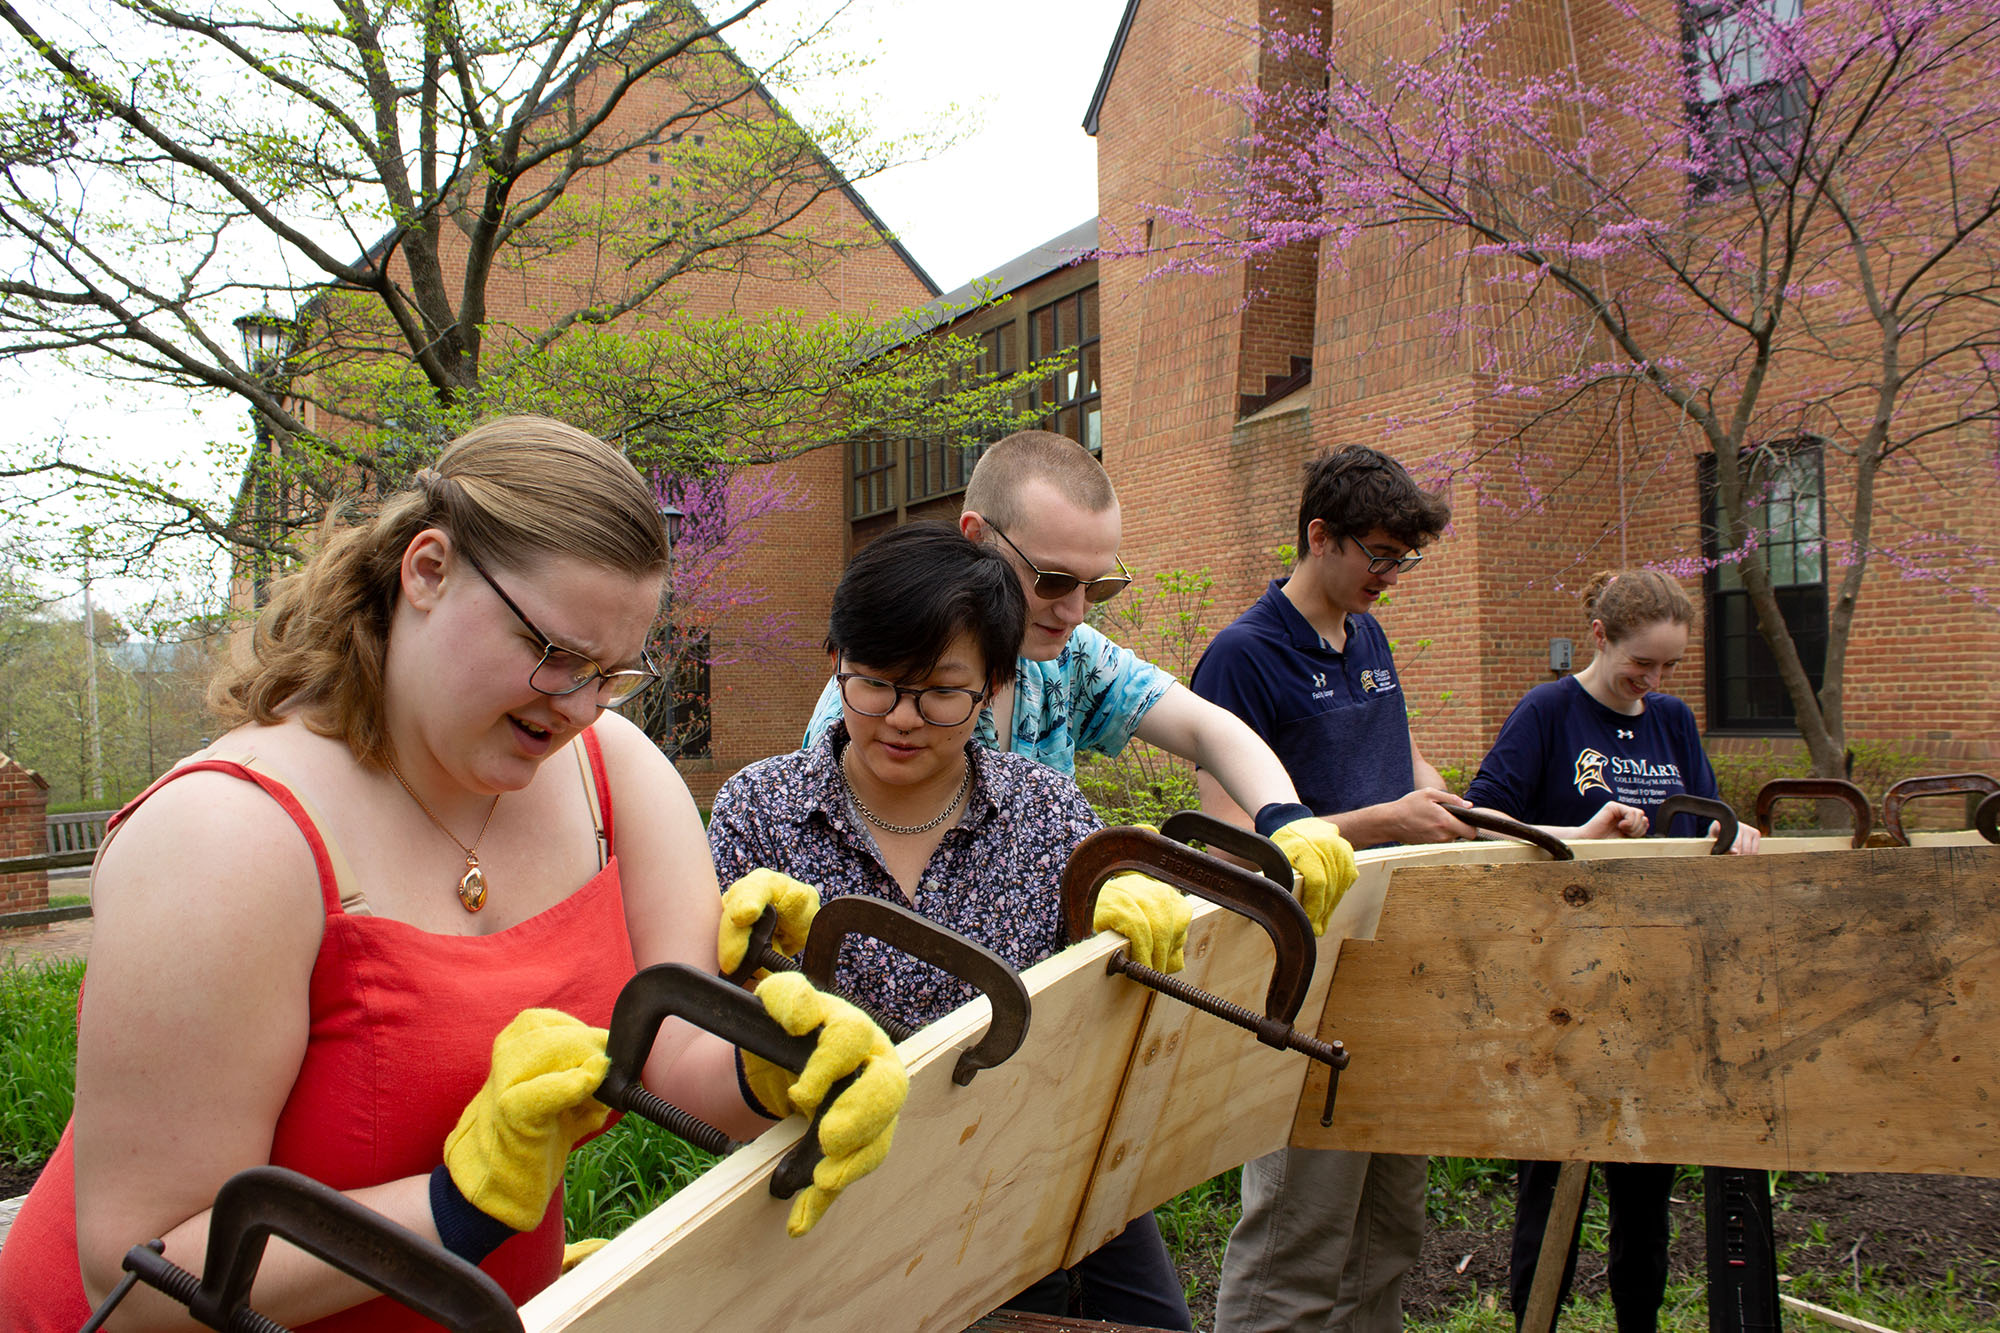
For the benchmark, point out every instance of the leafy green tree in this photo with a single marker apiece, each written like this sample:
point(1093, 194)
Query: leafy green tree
point(471, 206)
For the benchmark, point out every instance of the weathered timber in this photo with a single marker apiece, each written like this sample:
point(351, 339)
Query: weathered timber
point(1831, 1011)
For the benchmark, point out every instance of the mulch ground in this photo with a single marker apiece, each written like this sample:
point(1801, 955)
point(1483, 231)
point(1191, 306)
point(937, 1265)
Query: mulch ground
point(1893, 1231)
point(1898, 1231)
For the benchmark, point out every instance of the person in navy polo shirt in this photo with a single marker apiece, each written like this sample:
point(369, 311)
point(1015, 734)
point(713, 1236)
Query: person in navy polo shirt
point(1567, 750)
point(1326, 1237)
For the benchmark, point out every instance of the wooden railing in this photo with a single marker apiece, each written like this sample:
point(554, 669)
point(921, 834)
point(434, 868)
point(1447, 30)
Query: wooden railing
point(80, 831)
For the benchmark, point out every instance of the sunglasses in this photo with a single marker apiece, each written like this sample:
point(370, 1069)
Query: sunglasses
point(562, 671)
point(1053, 585)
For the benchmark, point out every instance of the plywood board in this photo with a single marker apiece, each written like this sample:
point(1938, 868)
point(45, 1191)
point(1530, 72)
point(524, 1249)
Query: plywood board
point(977, 1199)
point(1719, 1010)
point(1832, 1010)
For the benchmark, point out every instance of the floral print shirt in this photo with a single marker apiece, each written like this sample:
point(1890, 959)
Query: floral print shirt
point(995, 878)
point(1090, 696)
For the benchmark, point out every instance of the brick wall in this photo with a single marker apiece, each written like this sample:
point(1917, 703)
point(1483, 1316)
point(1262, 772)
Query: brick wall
point(24, 801)
point(1600, 486)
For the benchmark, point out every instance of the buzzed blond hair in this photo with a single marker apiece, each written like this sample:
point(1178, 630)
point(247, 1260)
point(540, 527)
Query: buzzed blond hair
point(1006, 468)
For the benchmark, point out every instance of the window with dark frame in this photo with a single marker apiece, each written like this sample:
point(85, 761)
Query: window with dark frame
point(871, 467)
point(1072, 398)
point(1785, 508)
point(1747, 114)
point(935, 466)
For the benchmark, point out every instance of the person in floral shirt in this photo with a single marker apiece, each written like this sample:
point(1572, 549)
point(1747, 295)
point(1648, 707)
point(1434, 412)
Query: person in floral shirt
point(896, 799)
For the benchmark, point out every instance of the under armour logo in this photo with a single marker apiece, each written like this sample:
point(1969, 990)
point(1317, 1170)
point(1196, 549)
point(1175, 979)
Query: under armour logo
point(1625, 735)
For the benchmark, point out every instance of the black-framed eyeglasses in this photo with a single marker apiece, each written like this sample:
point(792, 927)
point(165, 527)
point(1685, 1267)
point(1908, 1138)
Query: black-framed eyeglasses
point(562, 671)
point(1382, 564)
point(939, 705)
point(1053, 585)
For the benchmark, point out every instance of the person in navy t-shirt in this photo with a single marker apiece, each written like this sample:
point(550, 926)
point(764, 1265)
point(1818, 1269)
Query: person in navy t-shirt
point(1570, 748)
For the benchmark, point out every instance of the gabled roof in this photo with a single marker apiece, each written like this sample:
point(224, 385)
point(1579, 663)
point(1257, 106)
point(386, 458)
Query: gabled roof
point(1058, 252)
point(1110, 68)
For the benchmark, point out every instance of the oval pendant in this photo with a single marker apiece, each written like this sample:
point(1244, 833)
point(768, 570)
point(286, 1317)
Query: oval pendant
point(472, 889)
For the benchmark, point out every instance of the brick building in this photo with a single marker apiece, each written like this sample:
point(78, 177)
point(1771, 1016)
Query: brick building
point(1204, 395)
point(1213, 399)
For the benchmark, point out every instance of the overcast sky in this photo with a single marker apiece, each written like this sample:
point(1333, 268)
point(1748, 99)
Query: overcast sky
point(1021, 76)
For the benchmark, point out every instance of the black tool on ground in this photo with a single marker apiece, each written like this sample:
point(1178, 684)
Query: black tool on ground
point(1701, 808)
point(856, 917)
point(1742, 1251)
point(1494, 822)
point(1113, 851)
point(1816, 789)
point(714, 1004)
point(267, 1201)
point(1942, 784)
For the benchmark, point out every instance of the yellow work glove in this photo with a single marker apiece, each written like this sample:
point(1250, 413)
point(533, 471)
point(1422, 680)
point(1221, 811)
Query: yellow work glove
point(743, 906)
point(577, 1251)
point(506, 1155)
point(855, 1134)
point(1324, 863)
point(1152, 917)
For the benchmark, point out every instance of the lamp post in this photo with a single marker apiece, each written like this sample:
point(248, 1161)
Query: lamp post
point(670, 518)
point(264, 333)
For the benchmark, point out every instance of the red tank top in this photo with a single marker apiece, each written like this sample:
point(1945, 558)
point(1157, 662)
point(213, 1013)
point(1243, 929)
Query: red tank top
point(402, 1028)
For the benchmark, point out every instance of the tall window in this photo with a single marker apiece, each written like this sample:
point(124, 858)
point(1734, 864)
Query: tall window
point(1748, 99)
point(934, 466)
point(1072, 397)
point(1785, 513)
point(872, 466)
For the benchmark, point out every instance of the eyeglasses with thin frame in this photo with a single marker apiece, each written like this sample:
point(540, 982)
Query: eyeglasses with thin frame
point(939, 705)
point(1053, 585)
point(1382, 564)
point(563, 671)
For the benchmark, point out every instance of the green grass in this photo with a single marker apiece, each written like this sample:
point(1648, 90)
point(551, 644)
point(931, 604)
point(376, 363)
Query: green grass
point(68, 899)
point(623, 1174)
point(37, 1056)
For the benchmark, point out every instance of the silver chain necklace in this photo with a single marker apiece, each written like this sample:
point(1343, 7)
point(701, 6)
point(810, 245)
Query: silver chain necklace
point(905, 830)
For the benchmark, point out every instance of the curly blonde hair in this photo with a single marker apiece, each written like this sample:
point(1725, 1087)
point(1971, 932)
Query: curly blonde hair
point(508, 491)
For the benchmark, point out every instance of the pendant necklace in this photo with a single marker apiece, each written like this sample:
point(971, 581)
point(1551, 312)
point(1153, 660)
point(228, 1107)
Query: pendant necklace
point(905, 830)
point(472, 887)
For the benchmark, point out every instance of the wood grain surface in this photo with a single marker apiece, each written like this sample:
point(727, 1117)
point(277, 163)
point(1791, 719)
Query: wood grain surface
point(1812, 1008)
point(1832, 1011)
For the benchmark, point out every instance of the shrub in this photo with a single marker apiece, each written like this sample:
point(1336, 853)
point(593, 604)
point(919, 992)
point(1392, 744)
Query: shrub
point(37, 1056)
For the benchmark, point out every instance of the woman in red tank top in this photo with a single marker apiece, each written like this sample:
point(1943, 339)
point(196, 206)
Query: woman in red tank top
point(308, 936)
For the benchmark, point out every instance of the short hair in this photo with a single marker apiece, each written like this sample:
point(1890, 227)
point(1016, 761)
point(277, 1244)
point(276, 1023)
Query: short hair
point(1628, 600)
point(1008, 465)
point(508, 491)
point(1354, 489)
point(906, 595)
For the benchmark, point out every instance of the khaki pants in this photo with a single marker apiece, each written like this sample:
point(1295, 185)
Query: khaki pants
point(1325, 1240)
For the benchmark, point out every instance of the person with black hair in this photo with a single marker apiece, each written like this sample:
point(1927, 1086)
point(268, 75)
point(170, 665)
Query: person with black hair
point(896, 801)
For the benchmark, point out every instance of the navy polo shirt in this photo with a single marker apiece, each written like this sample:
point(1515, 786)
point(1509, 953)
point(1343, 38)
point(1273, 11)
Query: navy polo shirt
point(1562, 755)
point(1334, 718)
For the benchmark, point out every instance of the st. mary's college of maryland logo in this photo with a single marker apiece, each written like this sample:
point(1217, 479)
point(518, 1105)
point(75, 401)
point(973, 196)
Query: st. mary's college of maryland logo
point(1590, 772)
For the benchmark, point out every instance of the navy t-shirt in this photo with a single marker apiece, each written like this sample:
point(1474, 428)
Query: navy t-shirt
point(1562, 755)
point(1335, 719)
